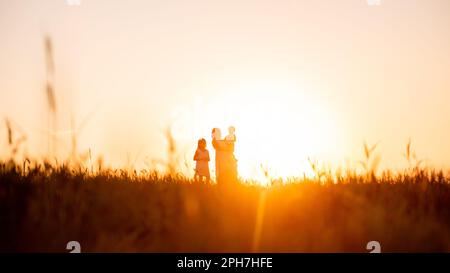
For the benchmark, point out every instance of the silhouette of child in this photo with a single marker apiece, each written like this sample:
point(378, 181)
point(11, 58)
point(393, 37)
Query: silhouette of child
point(231, 136)
point(201, 158)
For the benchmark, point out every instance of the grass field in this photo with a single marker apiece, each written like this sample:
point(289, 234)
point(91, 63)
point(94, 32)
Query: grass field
point(43, 208)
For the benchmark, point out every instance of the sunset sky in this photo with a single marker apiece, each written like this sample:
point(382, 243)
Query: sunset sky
point(296, 78)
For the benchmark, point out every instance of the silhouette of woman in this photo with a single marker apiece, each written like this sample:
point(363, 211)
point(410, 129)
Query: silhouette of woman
point(226, 166)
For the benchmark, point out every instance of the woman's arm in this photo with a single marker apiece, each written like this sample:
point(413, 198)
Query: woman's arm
point(215, 144)
point(223, 145)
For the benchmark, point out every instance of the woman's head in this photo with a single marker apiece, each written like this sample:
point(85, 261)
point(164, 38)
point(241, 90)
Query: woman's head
point(201, 144)
point(216, 134)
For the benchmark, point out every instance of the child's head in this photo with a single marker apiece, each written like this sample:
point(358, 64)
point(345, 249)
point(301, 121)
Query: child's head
point(201, 144)
point(231, 130)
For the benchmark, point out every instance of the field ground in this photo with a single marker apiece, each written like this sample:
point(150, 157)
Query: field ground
point(42, 210)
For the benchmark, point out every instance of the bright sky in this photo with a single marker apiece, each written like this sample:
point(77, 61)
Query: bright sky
point(298, 79)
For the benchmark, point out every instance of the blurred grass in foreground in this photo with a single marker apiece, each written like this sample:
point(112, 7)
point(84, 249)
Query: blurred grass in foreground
point(44, 207)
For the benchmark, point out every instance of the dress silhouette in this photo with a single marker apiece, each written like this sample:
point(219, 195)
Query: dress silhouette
point(226, 165)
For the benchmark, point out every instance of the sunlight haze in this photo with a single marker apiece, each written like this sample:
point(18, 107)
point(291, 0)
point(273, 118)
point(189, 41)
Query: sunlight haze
point(298, 79)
